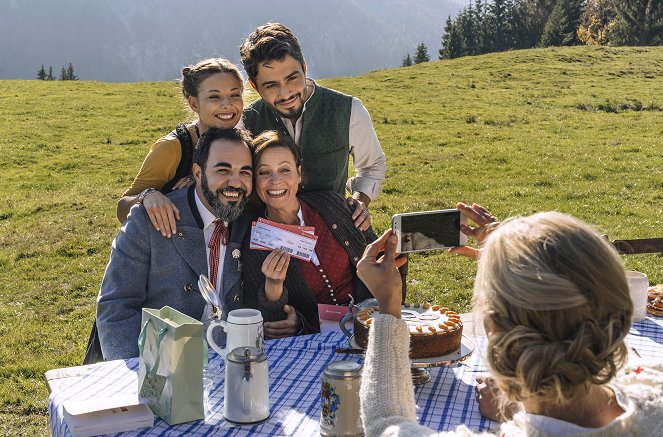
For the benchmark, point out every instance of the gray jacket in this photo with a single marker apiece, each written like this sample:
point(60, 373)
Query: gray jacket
point(151, 271)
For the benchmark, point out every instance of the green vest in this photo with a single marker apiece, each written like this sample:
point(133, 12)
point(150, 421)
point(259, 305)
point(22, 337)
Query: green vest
point(324, 141)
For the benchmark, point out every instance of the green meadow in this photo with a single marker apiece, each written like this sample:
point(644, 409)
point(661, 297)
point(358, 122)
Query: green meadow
point(578, 130)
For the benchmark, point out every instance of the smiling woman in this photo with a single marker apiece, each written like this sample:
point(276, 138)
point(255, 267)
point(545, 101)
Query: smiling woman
point(286, 290)
point(213, 90)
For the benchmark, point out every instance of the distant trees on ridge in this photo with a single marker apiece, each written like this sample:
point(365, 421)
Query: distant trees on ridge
point(65, 73)
point(420, 55)
point(497, 25)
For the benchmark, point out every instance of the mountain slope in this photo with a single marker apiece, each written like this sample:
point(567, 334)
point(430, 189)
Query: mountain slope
point(126, 40)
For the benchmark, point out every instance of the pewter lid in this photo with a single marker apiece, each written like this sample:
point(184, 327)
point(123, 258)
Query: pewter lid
point(343, 369)
point(246, 354)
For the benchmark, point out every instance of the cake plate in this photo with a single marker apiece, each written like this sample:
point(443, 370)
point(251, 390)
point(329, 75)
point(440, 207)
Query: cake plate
point(418, 366)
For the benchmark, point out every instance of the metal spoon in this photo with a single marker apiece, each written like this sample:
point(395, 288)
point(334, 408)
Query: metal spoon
point(209, 293)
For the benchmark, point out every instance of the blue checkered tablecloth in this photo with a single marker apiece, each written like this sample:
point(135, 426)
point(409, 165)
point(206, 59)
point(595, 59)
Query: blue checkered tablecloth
point(295, 370)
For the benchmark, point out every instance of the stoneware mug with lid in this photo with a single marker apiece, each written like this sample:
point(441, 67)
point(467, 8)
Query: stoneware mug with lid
point(243, 327)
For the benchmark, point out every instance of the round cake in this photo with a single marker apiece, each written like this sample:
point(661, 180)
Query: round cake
point(655, 300)
point(434, 330)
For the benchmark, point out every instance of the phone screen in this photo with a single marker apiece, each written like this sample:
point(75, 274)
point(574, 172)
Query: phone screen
point(429, 231)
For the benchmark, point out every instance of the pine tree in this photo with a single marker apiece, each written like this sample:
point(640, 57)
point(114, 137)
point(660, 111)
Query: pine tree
point(640, 22)
point(70, 73)
point(498, 25)
point(562, 25)
point(41, 74)
point(452, 41)
point(443, 53)
point(534, 14)
point(521, 37)
point(574, 14)
point(469, 31)
point(407, 61)
point(63, 74)
point(555, 27)
point(421, 54)
point(50, 73)
point(480, 26)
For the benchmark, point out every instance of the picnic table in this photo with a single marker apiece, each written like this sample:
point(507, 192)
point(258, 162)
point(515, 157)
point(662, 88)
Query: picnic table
point(295, 370)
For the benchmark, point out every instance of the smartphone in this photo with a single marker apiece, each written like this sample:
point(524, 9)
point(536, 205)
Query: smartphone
point(428, 230)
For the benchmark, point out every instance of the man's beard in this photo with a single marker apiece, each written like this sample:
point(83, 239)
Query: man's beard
point(292, 112)
point(227, 213)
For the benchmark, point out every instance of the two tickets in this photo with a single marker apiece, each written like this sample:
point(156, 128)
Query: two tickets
point(298, 241)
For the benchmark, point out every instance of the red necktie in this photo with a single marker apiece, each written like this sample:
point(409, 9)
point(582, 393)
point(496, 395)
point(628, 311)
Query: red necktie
point(220, 235)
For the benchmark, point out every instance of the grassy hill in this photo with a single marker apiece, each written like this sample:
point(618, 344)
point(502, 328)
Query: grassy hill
point(579, 130)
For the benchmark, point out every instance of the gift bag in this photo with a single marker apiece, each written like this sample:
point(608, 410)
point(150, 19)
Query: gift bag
point(170, 376)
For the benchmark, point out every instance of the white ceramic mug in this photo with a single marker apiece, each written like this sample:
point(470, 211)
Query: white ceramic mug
point(638, 286)
point(243, 328)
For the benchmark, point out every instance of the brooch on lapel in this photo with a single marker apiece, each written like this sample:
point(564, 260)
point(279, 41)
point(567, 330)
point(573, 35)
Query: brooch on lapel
point(236, 254)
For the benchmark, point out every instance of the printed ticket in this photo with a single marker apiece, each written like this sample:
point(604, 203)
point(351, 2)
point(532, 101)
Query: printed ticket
point(299, 243)
point(307, 229)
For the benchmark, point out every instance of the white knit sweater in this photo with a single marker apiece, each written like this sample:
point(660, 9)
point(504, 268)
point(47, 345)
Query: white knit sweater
point(387, 394)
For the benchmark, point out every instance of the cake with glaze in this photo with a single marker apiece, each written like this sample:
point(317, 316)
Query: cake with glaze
point(655, 300)
point(434, 330)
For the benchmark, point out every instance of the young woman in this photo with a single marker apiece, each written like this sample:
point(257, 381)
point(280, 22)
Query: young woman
point(556, 308)
point(286, 290)
point(213, 90)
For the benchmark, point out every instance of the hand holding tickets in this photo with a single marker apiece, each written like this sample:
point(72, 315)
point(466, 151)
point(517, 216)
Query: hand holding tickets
point(297, 241)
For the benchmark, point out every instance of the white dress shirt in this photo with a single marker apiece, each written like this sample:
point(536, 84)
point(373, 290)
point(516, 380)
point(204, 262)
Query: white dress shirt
point(208, 228)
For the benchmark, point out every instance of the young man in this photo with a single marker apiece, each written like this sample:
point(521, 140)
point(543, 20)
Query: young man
point(326, 124)
point(149, 270)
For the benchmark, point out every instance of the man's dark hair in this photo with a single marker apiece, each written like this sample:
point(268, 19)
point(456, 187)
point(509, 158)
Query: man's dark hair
point(210, 135)
point(269, 42)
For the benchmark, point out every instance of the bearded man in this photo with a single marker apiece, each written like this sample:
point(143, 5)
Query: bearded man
point(149, 270)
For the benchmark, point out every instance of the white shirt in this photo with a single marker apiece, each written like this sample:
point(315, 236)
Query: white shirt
point(559, 427)
point(208, 228)
point(367, 156)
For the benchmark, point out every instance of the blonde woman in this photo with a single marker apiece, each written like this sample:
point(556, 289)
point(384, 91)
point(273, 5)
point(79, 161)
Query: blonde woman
point(556, 309)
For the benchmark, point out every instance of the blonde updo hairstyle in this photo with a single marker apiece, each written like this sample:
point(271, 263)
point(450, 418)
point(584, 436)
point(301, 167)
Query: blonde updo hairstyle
point(193, 75)
point(556, 307)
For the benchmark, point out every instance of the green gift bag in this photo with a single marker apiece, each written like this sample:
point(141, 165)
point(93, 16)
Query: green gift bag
point(171, 365)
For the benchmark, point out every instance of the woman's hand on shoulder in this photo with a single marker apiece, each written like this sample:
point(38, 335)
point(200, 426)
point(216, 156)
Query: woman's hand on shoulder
point(162, 212)
point(360, 214)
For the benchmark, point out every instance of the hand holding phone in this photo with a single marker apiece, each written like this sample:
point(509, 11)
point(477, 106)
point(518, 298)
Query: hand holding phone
point(429, 230)
point(380, 273)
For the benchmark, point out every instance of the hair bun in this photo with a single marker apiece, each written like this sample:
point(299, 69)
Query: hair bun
point(555, 368)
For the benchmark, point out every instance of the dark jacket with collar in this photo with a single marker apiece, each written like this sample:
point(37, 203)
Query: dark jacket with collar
point(148, 270)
